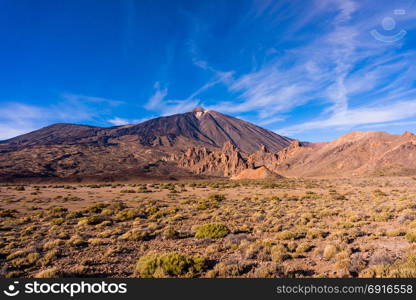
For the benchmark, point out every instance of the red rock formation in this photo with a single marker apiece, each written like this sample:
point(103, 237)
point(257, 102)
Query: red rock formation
point(225, 162)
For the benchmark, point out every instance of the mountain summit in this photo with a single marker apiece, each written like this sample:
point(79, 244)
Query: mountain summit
point(198, 127)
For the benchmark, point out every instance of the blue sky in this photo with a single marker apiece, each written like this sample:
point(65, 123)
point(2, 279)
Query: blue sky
point(308, 69)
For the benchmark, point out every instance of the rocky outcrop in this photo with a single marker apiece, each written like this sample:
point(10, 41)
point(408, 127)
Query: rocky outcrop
point(225, 162)
point(357, 153)
point(230, 160)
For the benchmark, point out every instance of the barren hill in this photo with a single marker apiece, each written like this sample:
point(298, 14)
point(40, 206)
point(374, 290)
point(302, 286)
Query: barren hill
point(354, 154)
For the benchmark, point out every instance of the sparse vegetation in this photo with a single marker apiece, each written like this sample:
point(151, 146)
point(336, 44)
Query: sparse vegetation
point(217, 228)
point(213, 231)
point(168, 264)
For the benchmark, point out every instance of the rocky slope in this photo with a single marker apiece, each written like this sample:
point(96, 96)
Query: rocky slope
point(354, 154)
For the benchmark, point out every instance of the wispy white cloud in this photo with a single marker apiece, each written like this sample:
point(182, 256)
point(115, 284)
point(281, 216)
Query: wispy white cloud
point(83, 98)
point(158, 102)
point(18, 118)
point(336, 70)
point(347, 119)
point(116, 121)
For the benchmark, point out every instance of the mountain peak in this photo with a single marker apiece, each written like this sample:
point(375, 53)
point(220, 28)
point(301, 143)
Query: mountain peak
point(200, 126)
point(199, 109)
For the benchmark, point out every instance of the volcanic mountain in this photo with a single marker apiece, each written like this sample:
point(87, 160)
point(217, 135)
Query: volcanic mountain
point(77, 152)
point(198, 127)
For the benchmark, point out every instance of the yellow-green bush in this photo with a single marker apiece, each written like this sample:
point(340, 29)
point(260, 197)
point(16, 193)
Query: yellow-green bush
point(91, 220)
point(136, 234)
point(168, 265)
point(127, 214)
point(411, 237)
point(401, 269)
point(212, 230)
point(279, 253)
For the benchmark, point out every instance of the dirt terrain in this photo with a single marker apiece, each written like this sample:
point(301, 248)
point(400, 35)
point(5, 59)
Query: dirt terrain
point(360, 227)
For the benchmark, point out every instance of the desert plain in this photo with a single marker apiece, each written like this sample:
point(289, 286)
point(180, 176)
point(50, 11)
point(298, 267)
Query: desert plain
point(288, 227)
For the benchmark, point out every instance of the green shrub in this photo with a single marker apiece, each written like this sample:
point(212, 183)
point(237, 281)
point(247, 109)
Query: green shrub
point(226, 269)
point(170, 233)
point(136, 234)
point(96, 208)
point(279, 253)
point(58, 221)
point(91, 220)
point(20, 188)
point(212, 231)
point(56, 211)
point(304, 247)
point(216, 197)
point(77, 242)
point(213, 201)
point(53, 244)
point(290, 235)
point(404, 269)
point(168, 264)
point(411, 237)
point(48, 273)
point(128, 191)
point(74, 215)
point(127, 214)
point(330, 251)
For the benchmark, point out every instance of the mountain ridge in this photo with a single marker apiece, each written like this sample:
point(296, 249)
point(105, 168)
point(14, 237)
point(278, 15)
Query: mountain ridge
point(197, 144)
point(208, 127)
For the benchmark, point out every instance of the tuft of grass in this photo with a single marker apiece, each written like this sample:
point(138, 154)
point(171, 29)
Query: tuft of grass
point(168, 265)
point(401, 269)
point(48, 273)
point(226, 270)
point(411, 237)
point(170, 233)
point(304, 247)
point(136, 234)
point(212, 230)
point(53, 244)
point(329, 251)
point(49, 257)
point(290, 235)
point(279, 253)
point(128, 214)
point(91, 220)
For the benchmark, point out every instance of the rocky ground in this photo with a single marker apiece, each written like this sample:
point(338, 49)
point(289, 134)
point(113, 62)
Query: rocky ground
point(361, 227)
